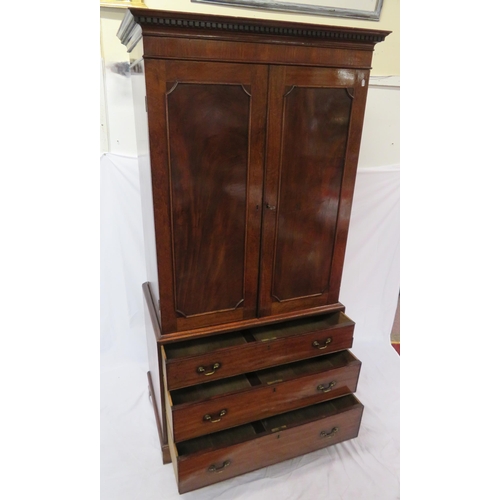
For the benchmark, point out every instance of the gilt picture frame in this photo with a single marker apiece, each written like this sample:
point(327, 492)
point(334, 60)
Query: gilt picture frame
point(354, 9)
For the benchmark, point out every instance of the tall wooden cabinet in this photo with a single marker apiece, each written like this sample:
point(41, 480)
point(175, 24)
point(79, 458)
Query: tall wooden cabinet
point(248, 137)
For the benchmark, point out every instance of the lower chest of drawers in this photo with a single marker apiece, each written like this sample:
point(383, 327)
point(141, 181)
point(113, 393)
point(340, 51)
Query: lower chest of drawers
point(242, 401)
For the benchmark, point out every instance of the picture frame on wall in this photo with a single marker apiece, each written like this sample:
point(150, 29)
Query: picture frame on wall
point(122, 4)
point(354, 9)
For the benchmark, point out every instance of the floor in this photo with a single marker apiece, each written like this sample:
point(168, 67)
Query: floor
point(395, 332)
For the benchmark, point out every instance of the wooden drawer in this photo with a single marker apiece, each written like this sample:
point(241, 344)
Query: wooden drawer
point(199, 361)
point(221, 404)
point(216, 457)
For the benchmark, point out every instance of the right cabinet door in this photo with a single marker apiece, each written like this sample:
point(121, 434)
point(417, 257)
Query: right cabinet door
point(314, 131)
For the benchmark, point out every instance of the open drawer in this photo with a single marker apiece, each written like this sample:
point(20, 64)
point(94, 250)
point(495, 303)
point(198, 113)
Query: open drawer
point(202, 360)
point(221, 404)
point(209, 459)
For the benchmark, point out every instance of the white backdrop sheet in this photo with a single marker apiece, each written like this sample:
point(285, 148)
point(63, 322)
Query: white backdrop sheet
point(365, 468)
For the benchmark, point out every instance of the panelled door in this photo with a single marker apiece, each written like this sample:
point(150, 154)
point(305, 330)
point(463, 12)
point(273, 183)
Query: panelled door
point(253, 170)
point(207, 124)
point(314, 130)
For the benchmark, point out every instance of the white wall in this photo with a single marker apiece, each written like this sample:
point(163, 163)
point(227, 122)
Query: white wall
point(117, 108)
point(380, 141)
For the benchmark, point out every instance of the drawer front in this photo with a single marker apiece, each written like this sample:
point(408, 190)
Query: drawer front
point(222, 412)
point(223, 363)
point(202, 469)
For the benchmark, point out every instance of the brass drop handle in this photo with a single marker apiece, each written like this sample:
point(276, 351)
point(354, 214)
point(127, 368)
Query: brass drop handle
point(214, 468)
point(319, 346)
point(270, 207)
point(328, 387)
point(209, 418)
point(330, 434)
point(202, 369)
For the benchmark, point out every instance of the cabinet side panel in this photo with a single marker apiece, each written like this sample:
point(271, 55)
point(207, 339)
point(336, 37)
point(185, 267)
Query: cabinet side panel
point(154, 364)
point(141, 127)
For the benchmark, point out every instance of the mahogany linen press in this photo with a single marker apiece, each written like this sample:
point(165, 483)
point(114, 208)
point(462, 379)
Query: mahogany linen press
point(248, 135)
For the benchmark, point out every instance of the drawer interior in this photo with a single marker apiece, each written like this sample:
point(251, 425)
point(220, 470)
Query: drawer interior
point(262, 377)
point(305, 367)
point(213, 343)
point(299, 326)
point(259, 428)
point(210, 389)
point(206, 345)
point(298, 417)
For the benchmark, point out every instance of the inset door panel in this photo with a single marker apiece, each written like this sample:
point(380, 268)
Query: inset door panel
point(208, 128)
point(314, 138)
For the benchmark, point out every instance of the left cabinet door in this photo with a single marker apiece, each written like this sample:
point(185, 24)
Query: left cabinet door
point(206, 130)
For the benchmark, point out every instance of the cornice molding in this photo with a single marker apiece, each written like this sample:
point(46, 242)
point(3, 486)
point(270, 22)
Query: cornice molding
point(224, 26)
